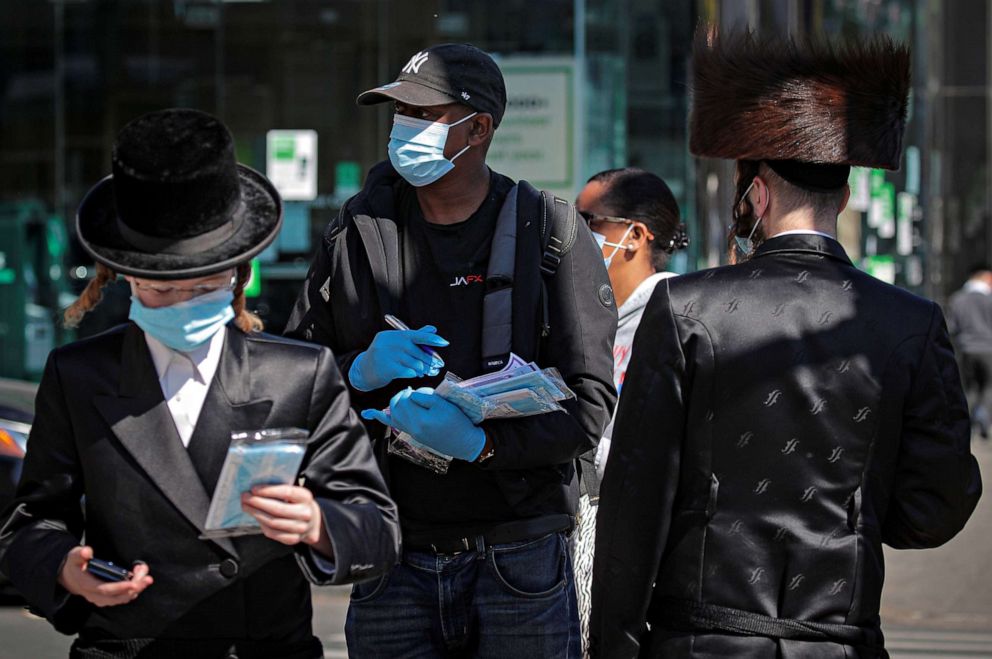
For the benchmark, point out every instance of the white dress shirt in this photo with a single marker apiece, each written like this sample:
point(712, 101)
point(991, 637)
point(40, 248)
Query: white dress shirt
point(185, 378)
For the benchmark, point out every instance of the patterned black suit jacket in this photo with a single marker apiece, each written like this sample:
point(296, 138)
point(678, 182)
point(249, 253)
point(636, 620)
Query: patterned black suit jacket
point(780, 420)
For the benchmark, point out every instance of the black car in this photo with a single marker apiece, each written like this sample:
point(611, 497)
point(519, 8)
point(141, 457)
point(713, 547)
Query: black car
point(16, 416)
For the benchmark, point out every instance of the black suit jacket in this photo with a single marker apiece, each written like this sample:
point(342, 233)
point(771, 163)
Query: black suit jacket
point(105, 466)
point(779, 421)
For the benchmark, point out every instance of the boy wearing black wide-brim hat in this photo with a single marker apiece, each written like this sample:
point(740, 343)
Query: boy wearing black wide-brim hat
point(784, 416)
point(136, 423)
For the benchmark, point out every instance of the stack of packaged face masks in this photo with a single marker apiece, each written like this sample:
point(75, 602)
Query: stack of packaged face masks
point(257, 457)
point(520, 389)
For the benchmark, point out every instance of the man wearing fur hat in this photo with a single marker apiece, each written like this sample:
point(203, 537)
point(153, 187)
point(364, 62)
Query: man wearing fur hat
point(133, 427)
point(786, 415)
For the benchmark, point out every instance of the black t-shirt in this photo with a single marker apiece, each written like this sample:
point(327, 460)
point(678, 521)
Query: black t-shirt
point(444, 270)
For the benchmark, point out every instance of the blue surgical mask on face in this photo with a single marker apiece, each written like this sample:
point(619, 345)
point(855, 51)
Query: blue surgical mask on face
point(603, 242)
point(186, 325)
point(416, 149)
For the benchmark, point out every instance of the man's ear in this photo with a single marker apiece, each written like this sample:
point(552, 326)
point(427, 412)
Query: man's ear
point(847, 198)
point(760, 199)
point(480, 129)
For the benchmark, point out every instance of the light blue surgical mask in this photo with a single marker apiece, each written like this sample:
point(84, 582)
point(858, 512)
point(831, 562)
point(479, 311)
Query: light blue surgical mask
point(603, 242)
point(416, 149)
point(186, 325)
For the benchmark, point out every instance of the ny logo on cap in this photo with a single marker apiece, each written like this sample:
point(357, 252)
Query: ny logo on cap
point(413, 66)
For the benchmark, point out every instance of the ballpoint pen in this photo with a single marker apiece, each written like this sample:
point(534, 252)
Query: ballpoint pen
point(396, 323)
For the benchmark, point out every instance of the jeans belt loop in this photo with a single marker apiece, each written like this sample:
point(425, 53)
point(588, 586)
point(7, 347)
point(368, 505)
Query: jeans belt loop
point(480, 547)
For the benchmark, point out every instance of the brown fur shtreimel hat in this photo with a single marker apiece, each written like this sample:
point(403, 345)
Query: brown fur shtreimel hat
point(778, 99)
point(177, 205)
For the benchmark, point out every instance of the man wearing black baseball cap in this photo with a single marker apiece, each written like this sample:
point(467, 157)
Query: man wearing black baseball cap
point(449, 73)
point(447, 245)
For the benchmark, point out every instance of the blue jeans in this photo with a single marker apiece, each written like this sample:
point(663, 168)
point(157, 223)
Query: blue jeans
point(513, 600)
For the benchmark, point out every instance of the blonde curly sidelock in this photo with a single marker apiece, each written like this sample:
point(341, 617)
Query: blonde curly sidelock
point(90, 297)
point(244, 319)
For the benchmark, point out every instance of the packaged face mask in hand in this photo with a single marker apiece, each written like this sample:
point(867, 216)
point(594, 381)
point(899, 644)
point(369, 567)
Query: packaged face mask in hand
point(259, 457)
point(519, 389)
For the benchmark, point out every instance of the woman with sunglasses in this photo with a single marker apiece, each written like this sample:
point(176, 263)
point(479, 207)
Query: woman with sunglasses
point(133, 426)
point(635, 219)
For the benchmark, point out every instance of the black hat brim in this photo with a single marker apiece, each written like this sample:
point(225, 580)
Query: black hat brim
point(259, 221)
point(405, 91)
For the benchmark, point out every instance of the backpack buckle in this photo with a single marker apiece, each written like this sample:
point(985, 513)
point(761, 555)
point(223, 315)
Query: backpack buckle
point(551, 258)
point(550, 263)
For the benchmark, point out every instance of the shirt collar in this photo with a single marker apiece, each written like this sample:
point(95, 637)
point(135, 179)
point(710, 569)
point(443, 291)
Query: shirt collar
point(796, 232)
point(204, 358)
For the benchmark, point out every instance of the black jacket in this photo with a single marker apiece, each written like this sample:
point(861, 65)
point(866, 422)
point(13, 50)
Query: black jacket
point(103, 433)
point(780, 420)
point(342, 306)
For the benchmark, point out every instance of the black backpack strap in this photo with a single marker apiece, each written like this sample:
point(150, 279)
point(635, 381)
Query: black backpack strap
point(559, 228)
point(559, 231)
point(381, 241)
point(497, 305)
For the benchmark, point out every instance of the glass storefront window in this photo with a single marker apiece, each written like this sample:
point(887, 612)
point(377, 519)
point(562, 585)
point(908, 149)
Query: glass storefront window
point(75, 71)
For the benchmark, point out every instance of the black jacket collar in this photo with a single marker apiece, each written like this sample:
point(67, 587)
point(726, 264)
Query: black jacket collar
point(809, 243)
point(376, 198)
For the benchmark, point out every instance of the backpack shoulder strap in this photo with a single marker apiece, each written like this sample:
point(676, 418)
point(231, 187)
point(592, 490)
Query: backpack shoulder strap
point(559, 230)
point(381, 241)
point(497, 304)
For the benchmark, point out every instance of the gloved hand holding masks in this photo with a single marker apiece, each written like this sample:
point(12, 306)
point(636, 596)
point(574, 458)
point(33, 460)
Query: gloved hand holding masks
point(433, 422)
point(396, 354)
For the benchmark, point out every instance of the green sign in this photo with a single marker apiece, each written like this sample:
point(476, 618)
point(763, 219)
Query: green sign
point(877, 181)
point(254, 286)
point(347, 178)
point(880, 266)
point(284, 148)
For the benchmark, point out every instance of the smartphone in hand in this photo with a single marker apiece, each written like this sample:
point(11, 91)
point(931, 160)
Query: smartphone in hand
point(107, 571)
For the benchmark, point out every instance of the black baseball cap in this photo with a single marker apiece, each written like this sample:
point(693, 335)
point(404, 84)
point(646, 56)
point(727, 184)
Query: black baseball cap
point(448, 73)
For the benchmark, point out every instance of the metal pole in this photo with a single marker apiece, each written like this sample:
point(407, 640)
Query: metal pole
point(219, 61)
point(383, 66)
point(579, 105)
point(935, 230)
point(58, 81)
point(988, 132)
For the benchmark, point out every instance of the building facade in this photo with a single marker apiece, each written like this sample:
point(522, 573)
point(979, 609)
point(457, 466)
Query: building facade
point(593, 84)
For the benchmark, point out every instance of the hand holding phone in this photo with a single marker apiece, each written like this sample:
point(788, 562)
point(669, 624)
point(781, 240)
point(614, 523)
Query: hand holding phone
point(107, 571)
point(87, 577)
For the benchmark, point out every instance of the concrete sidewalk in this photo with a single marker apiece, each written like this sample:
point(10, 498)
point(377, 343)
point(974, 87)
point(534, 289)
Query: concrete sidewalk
point(949, 587)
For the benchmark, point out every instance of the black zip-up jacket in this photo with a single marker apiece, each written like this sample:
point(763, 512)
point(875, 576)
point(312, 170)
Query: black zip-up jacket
point(347, 291)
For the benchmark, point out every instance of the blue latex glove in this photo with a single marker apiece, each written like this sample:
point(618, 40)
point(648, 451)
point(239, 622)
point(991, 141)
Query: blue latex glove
point(396, 354)
point(434, 422)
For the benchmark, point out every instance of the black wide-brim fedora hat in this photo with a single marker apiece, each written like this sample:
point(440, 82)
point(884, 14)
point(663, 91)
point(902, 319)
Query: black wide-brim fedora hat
point(177, 205)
